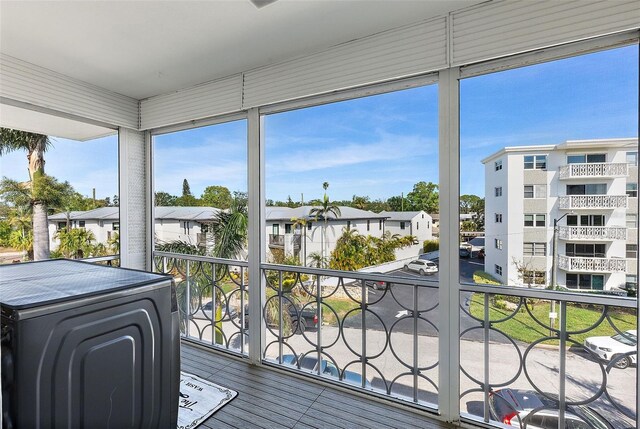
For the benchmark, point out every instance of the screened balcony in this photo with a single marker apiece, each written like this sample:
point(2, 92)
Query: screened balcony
point(310, 347)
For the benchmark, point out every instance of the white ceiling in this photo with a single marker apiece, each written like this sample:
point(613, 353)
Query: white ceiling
point(144, 48)
point(54, 126)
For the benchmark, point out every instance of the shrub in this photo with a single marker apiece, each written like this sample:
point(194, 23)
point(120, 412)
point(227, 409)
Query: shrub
point(430, 246)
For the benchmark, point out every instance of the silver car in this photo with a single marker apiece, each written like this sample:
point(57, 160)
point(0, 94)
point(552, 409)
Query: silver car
point(422, 267)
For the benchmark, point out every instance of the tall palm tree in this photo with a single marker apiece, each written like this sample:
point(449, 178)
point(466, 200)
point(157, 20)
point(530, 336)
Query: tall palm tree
point(35, 145)
point(324, 212)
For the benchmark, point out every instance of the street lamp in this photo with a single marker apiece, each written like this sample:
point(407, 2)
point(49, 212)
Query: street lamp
point(554, 252)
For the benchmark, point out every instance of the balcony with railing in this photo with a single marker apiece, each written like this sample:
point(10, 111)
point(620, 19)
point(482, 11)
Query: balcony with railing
point(581, 202)
point(278, 240)
point(605, 170)
point(386, 344)
point(595, 233)
point(592, 265)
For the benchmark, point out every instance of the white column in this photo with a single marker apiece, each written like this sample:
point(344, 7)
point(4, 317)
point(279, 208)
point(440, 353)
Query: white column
point(449, 287)
point(134, 185)
point(256, 237)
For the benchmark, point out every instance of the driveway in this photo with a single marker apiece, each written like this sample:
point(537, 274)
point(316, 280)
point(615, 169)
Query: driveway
point(396, 302)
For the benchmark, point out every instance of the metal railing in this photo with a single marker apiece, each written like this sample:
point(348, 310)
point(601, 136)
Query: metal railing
point(595, 265)
point(376, 333)
point(594, 169)
point(592, 233)
point(571, 202)
point(379, 334)
point(213, 295)
point(110, 260)
point(560, 363)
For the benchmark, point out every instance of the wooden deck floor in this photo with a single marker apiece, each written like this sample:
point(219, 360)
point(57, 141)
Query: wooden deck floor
point(270, 399)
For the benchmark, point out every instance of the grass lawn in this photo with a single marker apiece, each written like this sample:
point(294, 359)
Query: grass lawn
point(523, 328)
point(341, 306)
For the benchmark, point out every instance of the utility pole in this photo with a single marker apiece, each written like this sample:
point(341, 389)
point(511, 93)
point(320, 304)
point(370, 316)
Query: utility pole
point(554, 253)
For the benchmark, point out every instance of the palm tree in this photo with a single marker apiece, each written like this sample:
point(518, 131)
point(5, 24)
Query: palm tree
point(76, 243)
point(35, 145)
point(324, 212)
point(229, 229)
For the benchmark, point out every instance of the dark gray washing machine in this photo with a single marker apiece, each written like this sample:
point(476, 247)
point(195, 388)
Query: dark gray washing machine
point(88, 346)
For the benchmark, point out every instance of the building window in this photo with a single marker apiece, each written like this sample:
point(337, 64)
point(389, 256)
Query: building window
point(62, 225)
point(498, 217)
point(632, 158)
point(368, 225)
point(528, 191)
point(585, 281)
point(534, 249)
point(498, 165)
point(535, 162)
point(534, 277)
point(115, 226)
point(535, 191)
point(498, 191)
point(401, 225)
point(498, 269)
point(348, 224)
point(632, 190)
point(309, 225)
point(380, 224)
point(585, 220)
point(585, 250)
point(631, 282)
point(287, 228)
point(632, 220)
point(590, 189)
point(588, 158)
point(632, 251)
point(81, 224)
point(498, 243)
point(537, 220)
point(275, 229)
point(417, 225)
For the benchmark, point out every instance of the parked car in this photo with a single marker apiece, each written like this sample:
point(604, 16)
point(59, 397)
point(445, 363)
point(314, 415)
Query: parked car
point(421, 266)
point(376, 284)
point(473, 246)
point(207, 310)
point(308, 314)
point(513, 407)
point(610, 348)
point(465, 252)
point(310, 363)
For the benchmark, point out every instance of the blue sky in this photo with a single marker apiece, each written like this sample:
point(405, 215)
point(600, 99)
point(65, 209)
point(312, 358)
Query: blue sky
point(379, 146)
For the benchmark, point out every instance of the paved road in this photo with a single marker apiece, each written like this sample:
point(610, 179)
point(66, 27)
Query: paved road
point(389, 306)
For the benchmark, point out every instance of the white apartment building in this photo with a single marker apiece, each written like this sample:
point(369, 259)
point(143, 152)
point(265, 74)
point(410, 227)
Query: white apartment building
point(190, 224)
point(588, 189)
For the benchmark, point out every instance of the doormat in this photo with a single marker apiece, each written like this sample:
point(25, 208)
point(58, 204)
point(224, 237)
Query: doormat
point(199, 399)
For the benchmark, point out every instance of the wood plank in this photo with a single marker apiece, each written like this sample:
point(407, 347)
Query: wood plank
point(269, 399)
point(255, 420)
point(266, 411)
point(347, 418)
point(267, 380)
point(255, 388)
point(366, 409)
point(402, 415)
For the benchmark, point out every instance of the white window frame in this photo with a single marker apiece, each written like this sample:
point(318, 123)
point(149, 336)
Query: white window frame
point(498, 165)
point(497, 191)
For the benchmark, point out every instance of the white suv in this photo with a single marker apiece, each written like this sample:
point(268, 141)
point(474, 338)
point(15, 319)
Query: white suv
point(421, 266)
point(613, 348)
